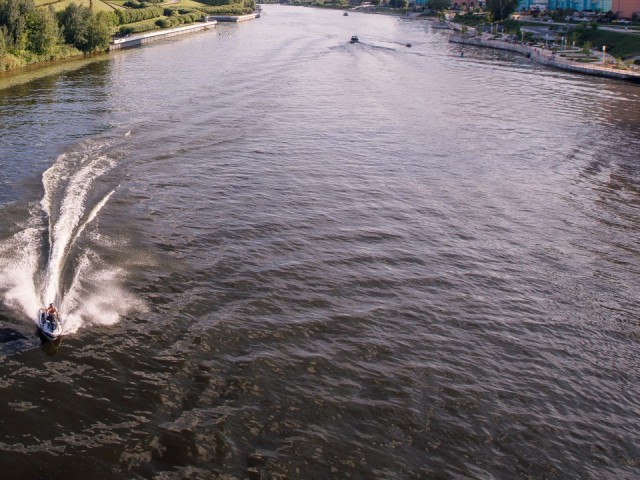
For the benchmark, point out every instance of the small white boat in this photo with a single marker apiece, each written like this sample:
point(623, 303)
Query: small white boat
point(354, 39)
point(49, 325)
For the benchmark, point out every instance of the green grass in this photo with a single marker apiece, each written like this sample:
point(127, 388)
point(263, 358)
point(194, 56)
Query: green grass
point(620, 45)
point(143, 26)
point(190, 3)
point(138, 27)
point(58, 5)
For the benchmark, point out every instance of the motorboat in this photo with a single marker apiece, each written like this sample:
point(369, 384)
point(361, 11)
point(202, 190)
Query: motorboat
point(50, 325)
point(354, 39)
point(345, 14)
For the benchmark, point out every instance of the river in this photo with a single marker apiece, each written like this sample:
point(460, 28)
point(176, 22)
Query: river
point(279, 255)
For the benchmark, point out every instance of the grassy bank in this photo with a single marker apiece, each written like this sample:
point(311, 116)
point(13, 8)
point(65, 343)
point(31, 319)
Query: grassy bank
point(622, 45)
point(37, 31)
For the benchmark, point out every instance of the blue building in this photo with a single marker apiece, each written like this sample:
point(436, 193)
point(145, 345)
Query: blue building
point(577, 5)
point(580, 5)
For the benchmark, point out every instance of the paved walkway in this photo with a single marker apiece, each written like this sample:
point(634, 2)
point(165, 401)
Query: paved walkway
point(548, 57)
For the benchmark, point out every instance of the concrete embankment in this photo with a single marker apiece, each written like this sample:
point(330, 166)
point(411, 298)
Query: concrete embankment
point(148, 37)
point(234, 18)
point(547, 57)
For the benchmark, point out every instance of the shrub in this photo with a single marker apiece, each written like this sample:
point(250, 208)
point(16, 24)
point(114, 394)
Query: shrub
point(138, 15)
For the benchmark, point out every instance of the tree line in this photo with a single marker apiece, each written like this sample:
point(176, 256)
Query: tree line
point(42, 34)
point(30, 34)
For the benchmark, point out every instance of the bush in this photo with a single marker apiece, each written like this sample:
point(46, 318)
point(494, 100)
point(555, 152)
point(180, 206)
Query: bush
point(177, 20)
point(138, 28)
point(138, 15)
point(226, 10)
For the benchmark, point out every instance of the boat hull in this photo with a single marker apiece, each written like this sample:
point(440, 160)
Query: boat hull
point(49, 325)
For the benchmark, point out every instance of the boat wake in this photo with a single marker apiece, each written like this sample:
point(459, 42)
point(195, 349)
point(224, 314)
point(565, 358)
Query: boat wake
point(55, 254)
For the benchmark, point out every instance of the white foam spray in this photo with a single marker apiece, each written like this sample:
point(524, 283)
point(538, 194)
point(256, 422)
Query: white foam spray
point(19, 266)
point(31, 278)
point(63, 225)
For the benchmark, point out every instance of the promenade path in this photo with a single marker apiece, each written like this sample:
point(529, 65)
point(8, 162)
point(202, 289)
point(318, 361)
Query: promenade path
point(545, 56)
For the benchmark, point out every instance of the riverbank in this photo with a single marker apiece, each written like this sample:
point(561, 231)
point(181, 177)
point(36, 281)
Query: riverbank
point(33, 71)
point(210, 21)
point(234, 18)
point(544, 56)
point(132, 41)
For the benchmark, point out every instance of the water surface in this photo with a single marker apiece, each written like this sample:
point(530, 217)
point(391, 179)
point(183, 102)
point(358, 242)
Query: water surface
point(280, 255)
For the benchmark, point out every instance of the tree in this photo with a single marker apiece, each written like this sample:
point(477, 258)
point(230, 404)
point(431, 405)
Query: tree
point(43, 33)
point(501, 9)
point(398, 3)
point(13, 18)
point(439, 4)
point(84, 30)
point(3, 48)
point(74, 20)
point(99, 32)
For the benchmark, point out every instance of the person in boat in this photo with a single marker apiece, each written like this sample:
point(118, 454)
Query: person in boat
point(52, 311)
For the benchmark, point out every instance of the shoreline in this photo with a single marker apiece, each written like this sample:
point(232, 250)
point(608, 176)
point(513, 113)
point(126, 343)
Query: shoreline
point(140, 39)
point(548, 58)
point(35, 71)
point(27, 73)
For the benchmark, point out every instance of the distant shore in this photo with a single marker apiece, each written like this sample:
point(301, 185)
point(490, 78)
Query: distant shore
point(544, 56)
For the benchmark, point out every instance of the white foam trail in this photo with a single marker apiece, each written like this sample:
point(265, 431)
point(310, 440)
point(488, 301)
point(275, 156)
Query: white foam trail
point(93, 214)
point(72, 209)
point(95, 293)
point(19, 267)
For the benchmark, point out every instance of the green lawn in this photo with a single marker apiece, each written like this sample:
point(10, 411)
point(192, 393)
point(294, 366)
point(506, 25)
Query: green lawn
point(620, 45)
point(58, 5)
point(99, 5)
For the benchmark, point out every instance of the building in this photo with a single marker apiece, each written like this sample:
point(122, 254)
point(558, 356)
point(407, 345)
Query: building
point(576, 5)
point(581, 5)
point(625, 8)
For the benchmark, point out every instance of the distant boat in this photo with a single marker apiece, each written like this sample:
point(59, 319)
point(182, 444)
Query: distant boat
point(345, 14)
point(354, 39)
